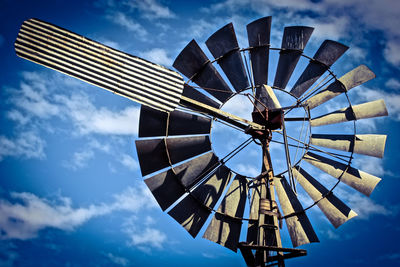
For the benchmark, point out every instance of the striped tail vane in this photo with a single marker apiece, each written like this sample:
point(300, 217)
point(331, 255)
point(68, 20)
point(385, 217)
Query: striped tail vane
point(135, 78)
point(142, 81)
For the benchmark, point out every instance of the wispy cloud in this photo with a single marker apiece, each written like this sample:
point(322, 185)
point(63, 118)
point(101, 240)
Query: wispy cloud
point(393, 83)
point(45, 99)
point(151, 9)
point(144, 239)
point(121, 19)
point(25, 145)
point(129, 162)
point(157, 55)
point(27, 214)
point(117, 259)
point(89, 119)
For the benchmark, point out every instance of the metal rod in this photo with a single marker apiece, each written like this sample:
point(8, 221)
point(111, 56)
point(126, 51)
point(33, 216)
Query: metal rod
point(225, 116)
point(287, 154)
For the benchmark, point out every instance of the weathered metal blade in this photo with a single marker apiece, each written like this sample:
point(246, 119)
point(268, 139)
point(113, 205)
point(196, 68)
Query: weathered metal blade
point(363, 111)
point(252, 230)
point(334, 209)
point(155, 123)
point(226, 224)
point(153, 154)
point(193, 211)
point(293, 43)
point(359, 180)
point(366, 144)
point(167, 187)
point(326, 55)
point(132, 77)
point(258, 34)
point(191, 214)
point(194, 64)
point(224, 47)
point(299, 226)
point(353, 78)
point(194, 94)
point(267, 97)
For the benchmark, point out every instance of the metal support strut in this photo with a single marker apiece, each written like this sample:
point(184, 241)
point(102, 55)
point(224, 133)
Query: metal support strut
point(268, 250)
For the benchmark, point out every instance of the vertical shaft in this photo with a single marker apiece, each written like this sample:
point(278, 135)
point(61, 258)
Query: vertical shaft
point(269, 234)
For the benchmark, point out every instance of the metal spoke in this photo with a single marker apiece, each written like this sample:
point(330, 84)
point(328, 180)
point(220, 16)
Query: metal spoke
point(335, 155)
point(287, 154)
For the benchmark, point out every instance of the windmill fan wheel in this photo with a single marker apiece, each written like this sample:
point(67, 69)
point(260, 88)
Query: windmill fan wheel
point(188, 179)
point(185, 175)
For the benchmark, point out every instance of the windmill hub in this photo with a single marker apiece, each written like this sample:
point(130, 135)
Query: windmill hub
point(271, 119)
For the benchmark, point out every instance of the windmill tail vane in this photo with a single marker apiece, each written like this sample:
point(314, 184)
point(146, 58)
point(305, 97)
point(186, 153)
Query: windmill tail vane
point(175, 154)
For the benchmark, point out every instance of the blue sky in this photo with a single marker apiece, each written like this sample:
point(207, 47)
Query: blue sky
point(71, 192)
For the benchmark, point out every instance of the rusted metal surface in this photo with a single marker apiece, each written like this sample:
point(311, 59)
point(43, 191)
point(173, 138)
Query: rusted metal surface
point(224, 47)
point(278, 260)
point(169, 186)
point(267, 98)
point(326, 55)
point(334, 209)
point(299, 227)
point(258, 34)
point(153, 154)
point(362, 111)
point(193, 211)
point(252, 229)
point(132, 77)
point(357, 179)
point(353, 78)
point(294, 41)
point(366, 144)
point(225, 227)
point(194, 64)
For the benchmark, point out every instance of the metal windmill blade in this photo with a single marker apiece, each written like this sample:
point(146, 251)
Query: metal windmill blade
point(327, 54)
point(294, 41)
point(186, 177)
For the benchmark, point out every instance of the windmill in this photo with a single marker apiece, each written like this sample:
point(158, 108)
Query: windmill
point(182, 171)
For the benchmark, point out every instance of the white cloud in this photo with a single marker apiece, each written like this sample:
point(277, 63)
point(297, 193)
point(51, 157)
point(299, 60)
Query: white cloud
point(364, 206)
point(111, 43)
point(17, 116)
point(88, 119)
point(151, 9)
point(25, 145)
point(34, 99)
point(393, 83)
point(391, 51)
point(157, 55)
point(240, 106)
point(149, 237)
point(328, 28)
point(28, 214)
point(117, 259)
point(80, 159)
point(129, 162)
point(121, 19)
point(247, 169)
